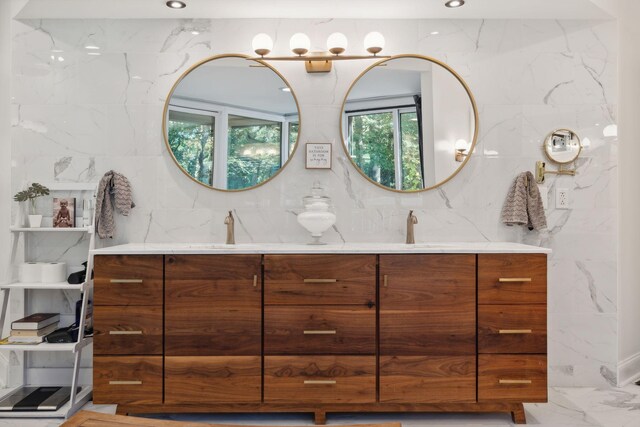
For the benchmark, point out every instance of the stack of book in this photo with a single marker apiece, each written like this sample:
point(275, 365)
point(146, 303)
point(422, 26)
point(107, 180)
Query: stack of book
point(32, 329)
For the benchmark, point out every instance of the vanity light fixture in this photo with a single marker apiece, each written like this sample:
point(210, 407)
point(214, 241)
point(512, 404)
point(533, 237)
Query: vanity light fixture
point(461, 149)
point(318, 62)
point(176, 4)
point(454, 3)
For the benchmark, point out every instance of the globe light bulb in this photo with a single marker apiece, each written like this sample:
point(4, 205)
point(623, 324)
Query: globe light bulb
point(337, 43)
point(262, 44)
point(374, 42)
point(299, 43)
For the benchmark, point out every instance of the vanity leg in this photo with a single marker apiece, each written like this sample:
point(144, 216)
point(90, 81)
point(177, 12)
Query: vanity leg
point(518, 415)
point(320, 417)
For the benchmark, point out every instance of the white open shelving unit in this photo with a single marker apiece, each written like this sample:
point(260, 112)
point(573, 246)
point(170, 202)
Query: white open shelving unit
point(79, 394)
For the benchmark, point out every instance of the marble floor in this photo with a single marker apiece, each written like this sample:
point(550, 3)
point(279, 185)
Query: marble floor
point(567, 407)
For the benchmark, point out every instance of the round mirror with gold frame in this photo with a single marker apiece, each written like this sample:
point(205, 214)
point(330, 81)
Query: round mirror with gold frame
point(231, 123)
point(409, 123)
point(562, 146)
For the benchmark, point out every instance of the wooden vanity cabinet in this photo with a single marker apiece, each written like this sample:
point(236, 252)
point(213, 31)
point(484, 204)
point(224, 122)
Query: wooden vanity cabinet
point(213, 329)
point(321, 333)
point(128, 333)
point(427, 328)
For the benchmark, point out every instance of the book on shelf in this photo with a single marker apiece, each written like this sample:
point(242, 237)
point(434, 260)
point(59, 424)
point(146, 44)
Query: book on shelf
point(34, 332)
point(36, 321)
point(25, 340)
point(5, 341)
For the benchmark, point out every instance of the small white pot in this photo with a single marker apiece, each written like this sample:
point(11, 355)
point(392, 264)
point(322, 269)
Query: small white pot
point(35, 221)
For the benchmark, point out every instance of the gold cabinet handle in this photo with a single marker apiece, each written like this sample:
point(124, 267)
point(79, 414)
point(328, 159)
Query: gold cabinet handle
point(255, 280)
point(125, 382)
point(514, 279)
point(126, 280)
point(327, 332)
point(385, 280)
point(514, 381)
point(316, 382)
point(515, 331)
point(320, 280)
point(125, 332)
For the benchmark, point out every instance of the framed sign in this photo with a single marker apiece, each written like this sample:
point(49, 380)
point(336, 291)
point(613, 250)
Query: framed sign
point(318, 156)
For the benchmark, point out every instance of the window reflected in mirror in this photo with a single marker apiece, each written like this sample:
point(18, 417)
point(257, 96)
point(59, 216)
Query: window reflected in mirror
point(401, 119)
point(230, 124)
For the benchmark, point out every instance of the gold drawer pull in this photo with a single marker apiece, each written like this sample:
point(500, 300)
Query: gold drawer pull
point(514, 279)
point(514, 381)
point(125, 382)
point(255, 280)
point(126, 280)
point(515, 331)
point(385, 280)
point(125, 332)
point(320, 382)
point(327, 332)
point(320, 280)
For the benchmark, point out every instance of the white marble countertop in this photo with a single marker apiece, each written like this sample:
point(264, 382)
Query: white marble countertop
point(296, 248)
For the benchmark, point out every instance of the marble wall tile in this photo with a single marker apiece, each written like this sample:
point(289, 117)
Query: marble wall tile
point(80, 117)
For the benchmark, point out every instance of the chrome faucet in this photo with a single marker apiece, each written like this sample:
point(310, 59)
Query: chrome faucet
point(231, 237)
point(411, 220)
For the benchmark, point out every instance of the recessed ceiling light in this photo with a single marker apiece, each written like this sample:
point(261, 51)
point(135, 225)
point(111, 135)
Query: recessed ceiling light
point(176, 4)
point(195, 33)
point(435, 33)
point(92, 47)
point(60, 59)
point(285, 89)
point(454, 3)
point(94, 53)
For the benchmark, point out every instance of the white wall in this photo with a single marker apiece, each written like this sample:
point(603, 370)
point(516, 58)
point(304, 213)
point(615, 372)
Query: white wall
point(78, 118)
point(629, 177)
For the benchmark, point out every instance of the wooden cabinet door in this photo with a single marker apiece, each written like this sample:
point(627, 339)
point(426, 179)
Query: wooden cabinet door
point(213, 305)
point(427, 315)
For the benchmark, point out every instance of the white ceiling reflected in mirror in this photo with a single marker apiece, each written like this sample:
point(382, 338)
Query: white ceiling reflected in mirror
point(231, 123)
point(409, 123)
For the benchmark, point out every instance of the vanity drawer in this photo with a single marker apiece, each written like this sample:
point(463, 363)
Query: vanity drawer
point(127, 330)
point(319, 279)
point(127, 379)
point(512, 278)
point(320, 379)
point(512, 378)
point(319, 330)
point(428, 379)
point(218, 379)
point(419, 333)
point(128, 280)
point(512, 328)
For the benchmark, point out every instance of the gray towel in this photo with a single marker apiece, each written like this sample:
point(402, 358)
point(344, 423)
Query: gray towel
point(523, 205)
point(114, 190)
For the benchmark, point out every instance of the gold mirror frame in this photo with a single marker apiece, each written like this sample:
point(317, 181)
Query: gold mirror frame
point(546, 151)
point(466, 88)
point(165, 133)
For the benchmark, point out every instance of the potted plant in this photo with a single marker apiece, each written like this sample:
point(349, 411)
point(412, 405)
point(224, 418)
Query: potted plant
point(34, 191)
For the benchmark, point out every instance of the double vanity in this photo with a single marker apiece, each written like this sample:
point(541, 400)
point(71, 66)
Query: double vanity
point(451, 327)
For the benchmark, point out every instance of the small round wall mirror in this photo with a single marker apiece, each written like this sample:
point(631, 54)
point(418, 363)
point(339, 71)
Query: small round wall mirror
point(409, 123)
point(562, 146)
point(231, 123)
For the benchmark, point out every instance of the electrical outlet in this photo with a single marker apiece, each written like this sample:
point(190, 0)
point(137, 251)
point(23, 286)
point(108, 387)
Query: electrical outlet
point(562, 198)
